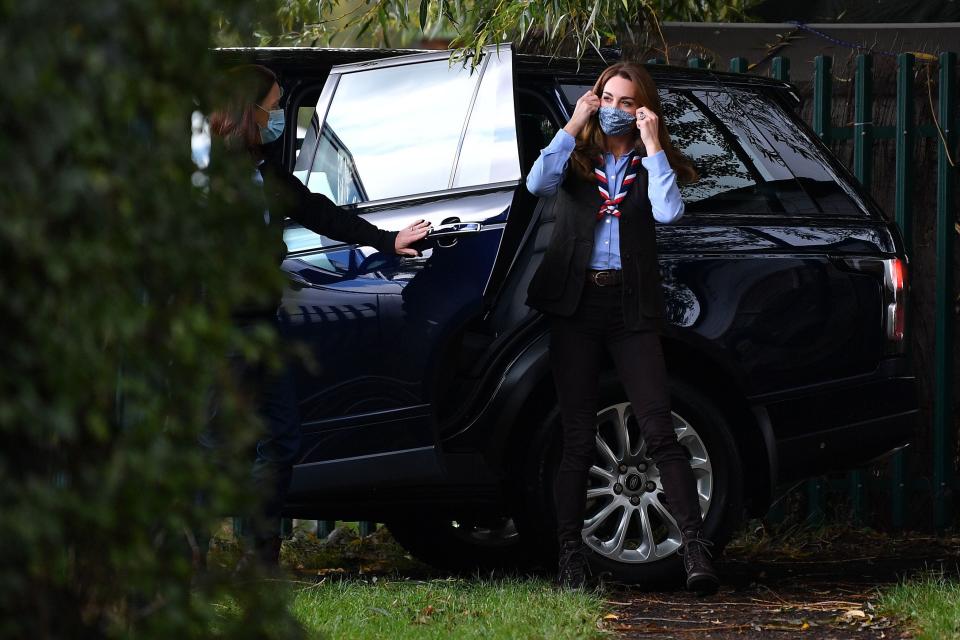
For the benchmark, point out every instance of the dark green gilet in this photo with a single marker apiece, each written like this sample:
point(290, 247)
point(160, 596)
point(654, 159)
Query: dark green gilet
point(558, 283)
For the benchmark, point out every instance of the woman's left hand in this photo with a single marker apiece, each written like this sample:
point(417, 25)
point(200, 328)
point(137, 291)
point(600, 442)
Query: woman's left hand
point(410, 234)
point(649, 126)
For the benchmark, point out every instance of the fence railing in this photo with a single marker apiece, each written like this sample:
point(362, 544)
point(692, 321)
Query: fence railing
point(906, 133)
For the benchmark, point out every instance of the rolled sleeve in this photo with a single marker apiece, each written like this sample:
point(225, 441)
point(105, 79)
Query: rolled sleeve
point(662, 188)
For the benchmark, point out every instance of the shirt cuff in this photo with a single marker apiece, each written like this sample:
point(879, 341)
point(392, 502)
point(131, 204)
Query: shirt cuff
point(562, 142)
point(657, 164)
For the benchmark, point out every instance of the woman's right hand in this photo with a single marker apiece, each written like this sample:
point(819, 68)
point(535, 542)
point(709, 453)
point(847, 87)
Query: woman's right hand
point(587, 105)
point(410, 234)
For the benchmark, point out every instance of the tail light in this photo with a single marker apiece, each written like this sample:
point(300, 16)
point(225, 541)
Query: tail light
point(895, 305)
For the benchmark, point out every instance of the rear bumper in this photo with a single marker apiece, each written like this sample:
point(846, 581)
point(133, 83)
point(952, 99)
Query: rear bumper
point(843, 425)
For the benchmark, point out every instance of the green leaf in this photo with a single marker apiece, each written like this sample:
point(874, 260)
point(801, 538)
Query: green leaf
point(424, 6)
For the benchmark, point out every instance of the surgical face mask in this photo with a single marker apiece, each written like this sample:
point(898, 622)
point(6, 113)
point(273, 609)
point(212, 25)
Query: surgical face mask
point(275, 124)
point(616, 122)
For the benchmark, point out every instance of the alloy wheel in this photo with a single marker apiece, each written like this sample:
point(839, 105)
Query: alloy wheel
point(627, 517)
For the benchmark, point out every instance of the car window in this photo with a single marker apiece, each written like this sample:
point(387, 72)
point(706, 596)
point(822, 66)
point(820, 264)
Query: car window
point(489, 152)
point(731, 180)
point(796, 151)
point(750, 155)
point(390, 132)
point(306, 121)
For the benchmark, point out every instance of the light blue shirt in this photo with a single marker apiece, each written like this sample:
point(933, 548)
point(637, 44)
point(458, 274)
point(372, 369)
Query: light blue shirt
point(547, 173)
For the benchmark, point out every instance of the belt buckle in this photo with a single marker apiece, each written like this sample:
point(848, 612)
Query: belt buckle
point(602, 278)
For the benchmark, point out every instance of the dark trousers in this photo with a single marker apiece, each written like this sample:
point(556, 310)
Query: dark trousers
point(275, 396)
point(577, 346)
point(277, 448)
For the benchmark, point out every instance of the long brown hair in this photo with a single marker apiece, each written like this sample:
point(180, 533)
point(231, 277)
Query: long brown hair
point(235, 116)
point(591, 139)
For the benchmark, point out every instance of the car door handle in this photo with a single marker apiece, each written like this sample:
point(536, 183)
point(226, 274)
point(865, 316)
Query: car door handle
point(446, 235)
point(456, 228)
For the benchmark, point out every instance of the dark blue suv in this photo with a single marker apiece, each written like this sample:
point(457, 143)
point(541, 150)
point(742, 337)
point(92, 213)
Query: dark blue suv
point(429, 404)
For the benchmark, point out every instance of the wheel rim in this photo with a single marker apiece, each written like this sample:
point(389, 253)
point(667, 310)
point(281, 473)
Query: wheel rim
point(626, 518)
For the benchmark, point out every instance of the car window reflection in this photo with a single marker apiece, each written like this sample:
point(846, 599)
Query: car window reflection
point(390, 132)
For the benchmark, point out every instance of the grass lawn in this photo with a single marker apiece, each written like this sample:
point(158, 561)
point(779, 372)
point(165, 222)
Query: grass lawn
point(447, 608)
point(930, 604)
point(353, 587)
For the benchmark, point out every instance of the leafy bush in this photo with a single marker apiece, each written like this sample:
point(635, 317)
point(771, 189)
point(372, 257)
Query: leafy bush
point(118, 279)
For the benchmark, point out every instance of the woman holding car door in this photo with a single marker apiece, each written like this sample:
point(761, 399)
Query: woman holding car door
point(609, 174)
point(248, 120)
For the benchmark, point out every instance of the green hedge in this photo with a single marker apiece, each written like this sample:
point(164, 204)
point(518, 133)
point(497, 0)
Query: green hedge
point(117, 276)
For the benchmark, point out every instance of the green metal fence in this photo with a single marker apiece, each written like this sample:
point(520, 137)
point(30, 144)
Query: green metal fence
point(906, 133)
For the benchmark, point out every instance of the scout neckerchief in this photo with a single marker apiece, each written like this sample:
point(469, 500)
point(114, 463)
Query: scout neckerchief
point(610, 205)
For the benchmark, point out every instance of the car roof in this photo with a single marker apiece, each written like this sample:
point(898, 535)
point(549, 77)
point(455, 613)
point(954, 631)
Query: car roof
point(316, 62)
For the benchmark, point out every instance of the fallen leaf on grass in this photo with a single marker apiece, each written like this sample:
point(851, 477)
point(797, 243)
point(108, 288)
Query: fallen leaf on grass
point(424, 617)
point(854, 613)
point(611, 616)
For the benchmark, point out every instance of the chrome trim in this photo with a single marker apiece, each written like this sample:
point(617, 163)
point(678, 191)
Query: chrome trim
point(466, 121)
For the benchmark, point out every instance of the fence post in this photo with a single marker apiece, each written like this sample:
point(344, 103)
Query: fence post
point(366, 527)
point(905, 126)
point(863, 121)
point(822, 100)
point(863, 168)
point(739, 65)
point(815, 499)
point(904, 216)
point(822, 96)
point(780, 68)
point(943, 397)
point(325, 528)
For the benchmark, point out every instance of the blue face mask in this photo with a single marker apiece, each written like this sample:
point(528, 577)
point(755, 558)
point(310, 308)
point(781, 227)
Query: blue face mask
point(616, 122)
point(275, 124)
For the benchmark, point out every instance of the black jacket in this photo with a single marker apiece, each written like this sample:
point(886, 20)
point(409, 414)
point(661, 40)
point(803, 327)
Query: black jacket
point(557, 284)
point(287, 197)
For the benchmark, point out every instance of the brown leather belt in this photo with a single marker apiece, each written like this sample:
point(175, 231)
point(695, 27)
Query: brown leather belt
point(605, 277)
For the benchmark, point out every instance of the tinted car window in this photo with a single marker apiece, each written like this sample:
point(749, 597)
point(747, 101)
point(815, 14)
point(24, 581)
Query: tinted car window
point(390, 132)
point(797, 151)
point(730, 180)
point(775, 181)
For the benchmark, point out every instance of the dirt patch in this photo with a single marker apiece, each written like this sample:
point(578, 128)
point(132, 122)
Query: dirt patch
point(814, 585)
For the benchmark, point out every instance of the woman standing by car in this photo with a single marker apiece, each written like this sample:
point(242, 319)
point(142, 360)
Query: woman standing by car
point(609, 173)
point(248, 120)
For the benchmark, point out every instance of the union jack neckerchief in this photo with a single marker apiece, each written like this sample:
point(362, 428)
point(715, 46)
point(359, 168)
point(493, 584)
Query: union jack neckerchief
point(610, 205)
